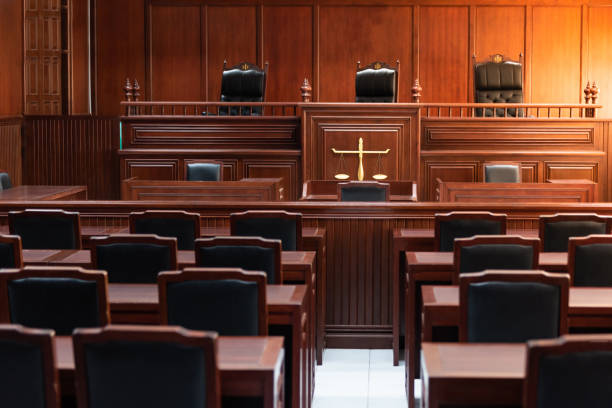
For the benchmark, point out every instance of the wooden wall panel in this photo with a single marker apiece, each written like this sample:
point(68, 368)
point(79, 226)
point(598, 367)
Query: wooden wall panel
point(73, 150)
point(10, 151)
point(11, 57)
point(288, 65)
point(600, 55)
point(232, 36)
point(499, 30)
point(444, 54)
point(349, 34)
point(176, 52)
point(79, 57)
point(555, 62)
point(120, 51)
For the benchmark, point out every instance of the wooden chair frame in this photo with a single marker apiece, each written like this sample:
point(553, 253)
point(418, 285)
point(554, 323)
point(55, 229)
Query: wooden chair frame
point(170, 214)
point(74, 216)
point(535, 276)
point(459, 215)
point(575, 242)
point(43, 340)
point(245, 66)
point(560, 217)
point(347, 185)
point(195, 161)
point(236, 241)
point(376, 65)
point(503, 163)
point(15, 241)
point(199, 274)
point(207, 341)
point(296, 217)
point(73, 272)
point(460, 243)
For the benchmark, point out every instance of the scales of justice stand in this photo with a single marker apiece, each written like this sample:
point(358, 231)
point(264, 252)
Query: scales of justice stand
point(341, 173)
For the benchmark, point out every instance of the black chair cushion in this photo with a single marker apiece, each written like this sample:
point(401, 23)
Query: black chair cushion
point(7, 256)
point(502, 173)
point(247, 257)
point(364, 193)
point(580, 379)
point(229, 307)
point(203, 171)
point(375, 85)
point(139, 374)
point(5, 181)
point(512, 312)
point(593, 265)
point(133, 263)
point(464, 228)
point(183, 230)
point(269, 227)
point(557, 234)
point(21, 375)
point(477, 258)
point(46, 232)
point(242, 86)
point(61, 304)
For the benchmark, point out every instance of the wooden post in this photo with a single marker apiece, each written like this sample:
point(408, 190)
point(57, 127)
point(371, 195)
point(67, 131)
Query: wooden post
point(416, 91)
point(127, 88)
point(136, 90)
point(306, 89)
point(587, 93)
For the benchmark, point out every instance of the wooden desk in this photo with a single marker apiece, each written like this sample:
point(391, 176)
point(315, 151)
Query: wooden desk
point(437, 267)
point(248, 367)
point(327, 190)
point(472, 374)
point(44, 193)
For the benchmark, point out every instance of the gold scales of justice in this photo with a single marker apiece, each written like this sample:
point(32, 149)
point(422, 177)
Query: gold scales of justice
point(342, 175)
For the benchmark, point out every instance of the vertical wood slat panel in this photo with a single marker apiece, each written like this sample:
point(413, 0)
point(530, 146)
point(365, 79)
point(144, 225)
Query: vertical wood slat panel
point(73, 150)
point(10, 150)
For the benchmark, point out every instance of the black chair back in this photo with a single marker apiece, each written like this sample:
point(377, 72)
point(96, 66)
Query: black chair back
point(183, 226)
point(459, 224)
point(555, 230)
point(46, 229)
point(376, 82)
point(589, 260)
point(5, 181)
point(363, 191)
point(269, 224)
point(204, 171)
point(10, 251)
point(243, 82)
point(498, 81)
point(502, 173)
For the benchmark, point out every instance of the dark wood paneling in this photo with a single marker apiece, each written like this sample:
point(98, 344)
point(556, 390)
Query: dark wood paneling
point(10, 150)
point(600, 55)
point(11, 58)
point(79, 57)
point(288, 65)
point(176, 61)
point(75, 150)
point(366, 34)
point(288, 170)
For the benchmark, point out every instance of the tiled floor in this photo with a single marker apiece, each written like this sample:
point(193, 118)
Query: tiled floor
point(359, 379)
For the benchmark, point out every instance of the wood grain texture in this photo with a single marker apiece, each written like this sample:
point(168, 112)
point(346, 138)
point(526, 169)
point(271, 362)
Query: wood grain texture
point(10, 153)
point(79, 99)
point(11, 57)
point(499, 30)
point(75, 150)
point(600, 55)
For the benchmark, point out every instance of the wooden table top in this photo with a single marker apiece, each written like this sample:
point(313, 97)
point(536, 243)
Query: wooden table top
point(428, 233)
point(424, 260)
point(39, 193)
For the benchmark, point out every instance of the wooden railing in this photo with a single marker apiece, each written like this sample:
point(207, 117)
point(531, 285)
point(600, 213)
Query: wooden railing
point(251, 109)
point(508, 110)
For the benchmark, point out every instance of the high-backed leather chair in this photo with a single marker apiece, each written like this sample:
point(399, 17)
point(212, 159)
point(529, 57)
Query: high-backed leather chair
point(463, 224)
point(28, 377)
point(5, 181)
point(183, 226)
point(136, 258)
point(281, 225)
point(498, 81)
point(376, 82)
point(363, 191)
point(482, 252)
point(58, 298)
point(571, 371)
point(230, 301)
point(46, 229)
point(10, 251)
point(589, 260)
point(501, 172)
point(248, 253)
point(512, 306)
point(243, 82)
point(204, 170)
point(146, 366)
point(555, 230)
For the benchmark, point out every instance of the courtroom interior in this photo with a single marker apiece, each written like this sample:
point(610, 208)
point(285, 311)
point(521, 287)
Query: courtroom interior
point(305, 203)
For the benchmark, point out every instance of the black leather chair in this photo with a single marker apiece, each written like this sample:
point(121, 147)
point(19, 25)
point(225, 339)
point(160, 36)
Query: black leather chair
point(10, 251)
point(243, 82)
point(555, 230)
point(146, 366)
point(58, 298)
point(502, 173)
point(376, 82)
point(512, 306)
point(463, 224)
point(5, 181)
point(589, 260)
point(183, 226)
point(28, 377)
point(136, 258)
point(363, 191)
point(229, 301)
point(248, 253)
point(482, 252)
point(498, 81)
point(46, 229)
point(572, 371)
point(269, 224)
point(208, 170)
